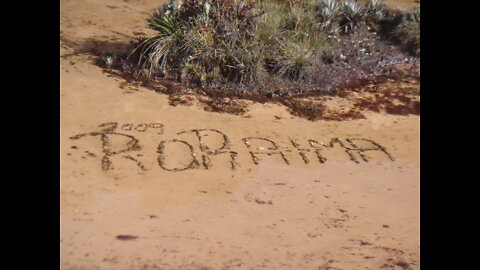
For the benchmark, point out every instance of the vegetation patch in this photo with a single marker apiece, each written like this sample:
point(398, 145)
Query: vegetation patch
point(277, 51)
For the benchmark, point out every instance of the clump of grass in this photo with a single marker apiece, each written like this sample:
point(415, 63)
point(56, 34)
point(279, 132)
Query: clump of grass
point(407, 33)
point(213, 43)
point(290, 33)
point(398, 25)
point(203, 42)
point(351, 16)
point(328, 13)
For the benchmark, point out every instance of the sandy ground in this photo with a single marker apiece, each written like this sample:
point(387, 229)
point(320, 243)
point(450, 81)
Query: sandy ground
point(145, 185)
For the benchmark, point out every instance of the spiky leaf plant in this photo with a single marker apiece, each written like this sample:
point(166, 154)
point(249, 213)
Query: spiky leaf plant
point(375, 11)
point(155, 51)
point(294, 61)
point(290, 34)
point(328, 13)
point(352, 15)
point(195, 38)
point(243, 42)
point(408, 31)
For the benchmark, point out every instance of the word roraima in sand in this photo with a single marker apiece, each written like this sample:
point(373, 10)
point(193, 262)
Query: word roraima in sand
point(199, 153)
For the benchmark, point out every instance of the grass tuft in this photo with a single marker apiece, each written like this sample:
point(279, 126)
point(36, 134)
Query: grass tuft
point(213, 43)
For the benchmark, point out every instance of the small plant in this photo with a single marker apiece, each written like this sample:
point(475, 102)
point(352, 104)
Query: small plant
point(352, 15)
point(294, 61)
point(295, 43)
point(408, 31)
point(328, 13)
point(155, 51)
point(375, 9)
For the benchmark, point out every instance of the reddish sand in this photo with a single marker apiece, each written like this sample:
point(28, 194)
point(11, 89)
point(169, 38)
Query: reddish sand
point(120, 209)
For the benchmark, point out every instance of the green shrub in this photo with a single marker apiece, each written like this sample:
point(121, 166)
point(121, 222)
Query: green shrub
point(351, 16)
point(202, 41)
point(328, 13)
point(408, 31)
point(213, 42)
point(290, 34)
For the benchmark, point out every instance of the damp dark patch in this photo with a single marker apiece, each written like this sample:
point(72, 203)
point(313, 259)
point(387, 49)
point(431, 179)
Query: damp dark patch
point(175, 100)
point(259, 201)
point(98, 47)
point(403, 265)
point(394, 264)
point(386, 80)
point(227, 105)
point(307, 104)
point(126, 237)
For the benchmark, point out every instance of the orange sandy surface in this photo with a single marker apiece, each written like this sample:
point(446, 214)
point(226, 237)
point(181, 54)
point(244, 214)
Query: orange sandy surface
point(304, 206)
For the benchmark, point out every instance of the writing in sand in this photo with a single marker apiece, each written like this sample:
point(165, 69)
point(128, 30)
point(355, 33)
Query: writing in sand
point(179, 154)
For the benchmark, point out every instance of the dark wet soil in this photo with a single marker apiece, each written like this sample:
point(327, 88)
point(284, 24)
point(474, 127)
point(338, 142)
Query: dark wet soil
point(372, 75)
point(395, 93)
